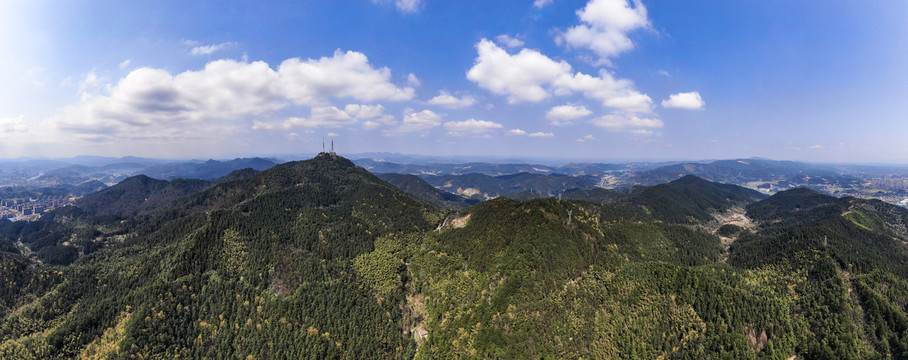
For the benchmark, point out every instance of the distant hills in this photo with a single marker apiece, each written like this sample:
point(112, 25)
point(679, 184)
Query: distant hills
point(768, 176)
point(422, 190)
point(323, 259)
point(887, 183)
point(43, 173)
point(481, 186)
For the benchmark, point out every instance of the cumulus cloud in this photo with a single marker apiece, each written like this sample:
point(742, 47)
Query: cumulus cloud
point(689, 101)
point(586, 138)
point(531, 76)
point(373, 114)
point(507, 40)
point(816, 147)
point(471, 126)
point(564, 114)
point(211, 49)
point(604, 27)
point(330, 117)
point(404, 6)
point(225, 97)
point(516, 132)
point(413, 81)
point(620, 121)
point(541, 134)
point(445, 99)
point(541, 3)
point(416, 122)
point(319, 117)
point(521, 76)
point(344, 75)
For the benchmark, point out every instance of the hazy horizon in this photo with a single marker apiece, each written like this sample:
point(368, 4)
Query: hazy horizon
point(591, 80)
point(405, 158)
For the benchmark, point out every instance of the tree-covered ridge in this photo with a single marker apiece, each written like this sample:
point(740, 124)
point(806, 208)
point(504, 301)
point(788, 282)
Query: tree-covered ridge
point(264, 267)
point(422, 190)
point(139, 195)
point(691, 199)
point(320, 259)
point(482, 187)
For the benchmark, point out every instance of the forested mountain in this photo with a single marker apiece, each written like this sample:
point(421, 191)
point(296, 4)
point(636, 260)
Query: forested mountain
point(422, 190)
point(482, 187)
point(210, 169)
point(691, 199)
point(781, 174)
point(321, 259)
point(139, 195)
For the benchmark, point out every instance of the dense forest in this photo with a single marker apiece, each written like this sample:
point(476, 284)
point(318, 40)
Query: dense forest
point(320, 259)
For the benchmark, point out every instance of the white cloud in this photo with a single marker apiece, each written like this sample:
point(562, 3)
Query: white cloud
point(541, 3)
point(520, 76)
point(125, 63)
point(604, 28)
point(224, 98)
point(586, 138)
point(516, 132)
point(507, 40)
point(642, 132)
point(329, 116)
point(612, 92)
point(618, 121)
point(210, 49)
point(90, 82)
point(374, 114)
point(416, 122)
point(665, 73)
point(531, 76)
point(319, 117)
point(407, 5)
point(331, 134)
point(471, 126)
point(413, 81)
point(541, 134)
point(404, 6)
point(346, 74)
point(564, 114)
point(13, 125)
point(689, 101)
point(817, 147)
point(445, 99)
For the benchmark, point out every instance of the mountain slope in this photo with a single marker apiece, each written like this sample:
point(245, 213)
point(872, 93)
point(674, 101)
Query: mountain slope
point(139, 195)
point(691, 199)
point(480, 186)
point(205, 170)
point(419, 188)
point(321, 259)
point(291, 262)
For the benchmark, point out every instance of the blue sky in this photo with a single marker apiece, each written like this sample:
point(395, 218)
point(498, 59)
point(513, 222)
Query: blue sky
point(578, 80)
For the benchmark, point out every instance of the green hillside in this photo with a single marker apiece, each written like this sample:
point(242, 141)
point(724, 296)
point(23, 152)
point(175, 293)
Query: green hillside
point(139, 195)
point(422, 190)
point(277, 265)
point(320, 259)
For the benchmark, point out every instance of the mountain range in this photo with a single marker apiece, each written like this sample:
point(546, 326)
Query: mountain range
point(322, 259)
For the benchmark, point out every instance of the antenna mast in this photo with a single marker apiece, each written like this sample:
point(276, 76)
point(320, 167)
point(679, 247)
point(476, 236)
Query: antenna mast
point(332, 147)
point(323, 144)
